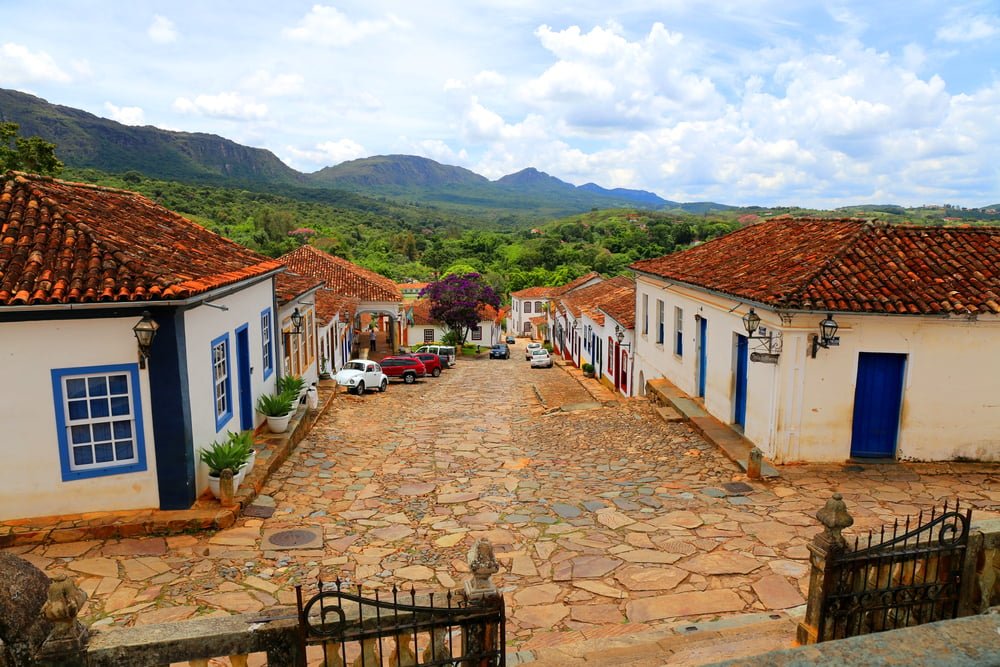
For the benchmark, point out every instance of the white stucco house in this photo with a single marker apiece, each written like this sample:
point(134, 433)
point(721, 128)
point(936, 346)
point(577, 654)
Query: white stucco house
point(873, 341)
point(91, 421)
point(592, 324)
point(335, 331)
point(298, 325)
point(533, 302)
point(421, 328)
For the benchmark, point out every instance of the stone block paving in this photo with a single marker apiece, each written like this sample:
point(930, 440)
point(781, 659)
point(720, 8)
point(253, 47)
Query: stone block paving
point(606, 519)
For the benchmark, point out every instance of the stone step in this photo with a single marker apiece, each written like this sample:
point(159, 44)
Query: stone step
point(669, 414)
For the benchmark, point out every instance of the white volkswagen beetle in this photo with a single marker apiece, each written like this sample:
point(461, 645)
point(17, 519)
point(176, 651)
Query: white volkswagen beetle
point(360, 375)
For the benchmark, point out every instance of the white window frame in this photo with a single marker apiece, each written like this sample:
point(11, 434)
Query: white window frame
point(222, 384)
point(660, 328)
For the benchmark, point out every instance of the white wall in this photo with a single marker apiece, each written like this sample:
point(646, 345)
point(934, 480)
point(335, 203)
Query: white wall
point(204, 324)
point(801, 409)
point(30, 478)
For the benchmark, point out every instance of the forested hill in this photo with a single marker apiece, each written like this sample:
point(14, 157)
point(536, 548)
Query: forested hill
point(84, 140)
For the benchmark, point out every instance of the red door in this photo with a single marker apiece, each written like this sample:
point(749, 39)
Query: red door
point(623, 371)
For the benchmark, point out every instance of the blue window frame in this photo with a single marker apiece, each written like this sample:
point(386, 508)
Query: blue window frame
point(222, 384)
point(99, 420)
point(678, 331)
point(267, 341)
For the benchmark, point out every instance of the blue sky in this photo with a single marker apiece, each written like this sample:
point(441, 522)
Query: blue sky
point(743, 101)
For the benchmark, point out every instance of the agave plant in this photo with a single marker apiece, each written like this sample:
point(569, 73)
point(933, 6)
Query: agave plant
point(290, 384)
point(232, 453)
point(276, 405)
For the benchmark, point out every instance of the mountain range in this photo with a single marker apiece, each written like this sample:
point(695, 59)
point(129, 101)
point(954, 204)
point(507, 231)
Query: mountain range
point(84, 140)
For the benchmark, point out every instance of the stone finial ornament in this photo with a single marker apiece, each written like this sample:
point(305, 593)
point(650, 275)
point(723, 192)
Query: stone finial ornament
point(754, 462)
point(835, 518)
point(62, 606)
point(483, 564)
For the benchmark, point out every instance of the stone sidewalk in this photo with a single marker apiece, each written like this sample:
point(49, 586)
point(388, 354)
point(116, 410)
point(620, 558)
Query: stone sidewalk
point(607, 521)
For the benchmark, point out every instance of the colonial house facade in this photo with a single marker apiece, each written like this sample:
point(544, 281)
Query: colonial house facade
point(299, 328)
point(583, 332)
point(825, 340)
point(97, 417)
point(422, 329)
point(533, 302)
point(377, 295)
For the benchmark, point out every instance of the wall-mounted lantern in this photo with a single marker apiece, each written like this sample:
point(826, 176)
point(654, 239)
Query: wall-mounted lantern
point(827, 332)
point(145, 332)
point(296, 322)
point(620, 336)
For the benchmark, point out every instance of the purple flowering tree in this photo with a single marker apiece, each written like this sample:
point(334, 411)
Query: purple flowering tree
point(457, 300)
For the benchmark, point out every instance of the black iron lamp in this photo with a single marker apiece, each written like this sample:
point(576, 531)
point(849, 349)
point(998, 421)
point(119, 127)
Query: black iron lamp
point(145, 332)
point(620, 336)
point(297, 321)
point(827, 332)
point(750, 322)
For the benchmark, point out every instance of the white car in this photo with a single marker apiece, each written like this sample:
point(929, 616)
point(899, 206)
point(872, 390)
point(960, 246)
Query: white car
point(360, 375)
point(540, 358)
point(527, 350)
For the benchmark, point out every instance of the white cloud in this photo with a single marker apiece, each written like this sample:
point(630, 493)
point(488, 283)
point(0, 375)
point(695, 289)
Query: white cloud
point(331, 27)
point(482, 124)
point(969, 29)
point(19, 65)
point(437, 150)
point(162, 30)
point(328, 153)
point(125, 115)
point(224, 105)
point(267, 84)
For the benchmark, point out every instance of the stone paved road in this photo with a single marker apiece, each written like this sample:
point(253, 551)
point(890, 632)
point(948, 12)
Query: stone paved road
point(606, 520)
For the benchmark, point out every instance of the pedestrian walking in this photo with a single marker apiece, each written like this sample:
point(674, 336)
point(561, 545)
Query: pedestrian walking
point(371, 340)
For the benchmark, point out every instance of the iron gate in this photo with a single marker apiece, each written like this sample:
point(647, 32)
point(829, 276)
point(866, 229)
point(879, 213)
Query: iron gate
point(901, 580)
point(358, 630)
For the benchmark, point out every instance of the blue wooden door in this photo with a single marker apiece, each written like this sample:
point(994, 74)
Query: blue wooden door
point(742, 367)
point(243, 378)
point(702, 355)
point(877, 401)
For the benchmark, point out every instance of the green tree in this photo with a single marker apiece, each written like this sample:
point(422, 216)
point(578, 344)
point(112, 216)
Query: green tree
point(32, 154)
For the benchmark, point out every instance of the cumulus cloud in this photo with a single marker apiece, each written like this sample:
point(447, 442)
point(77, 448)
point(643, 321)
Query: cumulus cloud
point(125, 115)
point(228, 105)
point(969, 29)
point(328, 153)
point(268, 84)
point(162, 30)
point(19, 65)
point(331, 27)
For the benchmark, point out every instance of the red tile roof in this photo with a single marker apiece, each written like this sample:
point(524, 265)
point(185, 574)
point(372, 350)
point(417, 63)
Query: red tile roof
point(63, 242)
point(421, 312)
point(340, 275)
point(620, 305)
point(549, 292)
point(846, 266)
point(592, 298)
point(289, 286)
point(329, 304)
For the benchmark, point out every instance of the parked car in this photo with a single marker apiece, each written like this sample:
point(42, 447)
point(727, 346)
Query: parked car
point(360, 375)
point(432, 362)
point(406, 368)
point(447, 352)
point(540, 358)
point(510, 340)
point(528, 350)
point(500, 351)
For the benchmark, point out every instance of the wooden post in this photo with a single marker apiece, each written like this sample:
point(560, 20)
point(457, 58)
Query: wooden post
point(226, 488)
point(823, 549)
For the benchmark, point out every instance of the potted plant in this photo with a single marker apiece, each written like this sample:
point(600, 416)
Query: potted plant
point(293, 385)
point(232, 453)
point(277, 409)
point(588, 370)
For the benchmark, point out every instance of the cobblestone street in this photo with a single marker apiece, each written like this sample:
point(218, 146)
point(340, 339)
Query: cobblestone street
point(606, 519)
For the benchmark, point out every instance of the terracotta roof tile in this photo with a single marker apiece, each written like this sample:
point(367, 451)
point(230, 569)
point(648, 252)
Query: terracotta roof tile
point(575, 284)
point(289, 286)
point(329, 304)
point(592, 299)
point(340, 275)
point(421, 312)
point(63, 242)
point(549, 292)
point(847, 266)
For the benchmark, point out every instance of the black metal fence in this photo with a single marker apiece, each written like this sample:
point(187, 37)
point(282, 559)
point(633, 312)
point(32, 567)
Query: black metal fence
point(899, 579)
point(401, 628)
